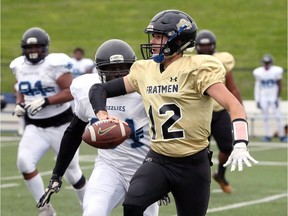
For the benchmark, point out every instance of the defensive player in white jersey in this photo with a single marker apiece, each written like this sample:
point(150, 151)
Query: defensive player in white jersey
point(113, 168)
point(267, 92)
point(43, 98)
point(81, 65)
point(220, 125)
point(177, 92)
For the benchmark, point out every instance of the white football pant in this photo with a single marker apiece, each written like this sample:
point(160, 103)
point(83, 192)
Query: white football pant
point(106, 190)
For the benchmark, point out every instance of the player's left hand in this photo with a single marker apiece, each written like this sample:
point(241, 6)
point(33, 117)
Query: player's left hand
point(53, 187)
point(165, 200)
point(37, 105)
point(239, 155)
point(277, 103)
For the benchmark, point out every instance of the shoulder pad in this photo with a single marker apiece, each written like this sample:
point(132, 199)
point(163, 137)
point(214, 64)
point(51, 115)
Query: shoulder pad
point(59, 59)
point(227, 60)
point(17, 61)
point(81, 85)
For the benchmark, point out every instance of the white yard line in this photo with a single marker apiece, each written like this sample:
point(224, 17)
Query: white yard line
point(46, 173)
point(9, 185)
point(248, 203)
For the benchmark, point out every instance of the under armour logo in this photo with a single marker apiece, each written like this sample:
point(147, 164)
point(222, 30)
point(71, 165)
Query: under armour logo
point(173, 79)
point(148, 159)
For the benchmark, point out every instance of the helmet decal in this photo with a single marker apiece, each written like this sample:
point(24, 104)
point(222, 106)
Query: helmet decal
point(184, 22)
point(116, 58)
point(32, 40)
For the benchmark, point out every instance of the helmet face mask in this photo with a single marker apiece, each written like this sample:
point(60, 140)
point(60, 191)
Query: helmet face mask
point(35, 44)
point(113, 59)
point(205, 42)
point(113, 71)
point(179, 29)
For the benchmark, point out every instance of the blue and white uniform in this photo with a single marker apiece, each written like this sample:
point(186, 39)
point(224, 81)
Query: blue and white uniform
point(266, 95)
point(45, 129)
point(113, 168)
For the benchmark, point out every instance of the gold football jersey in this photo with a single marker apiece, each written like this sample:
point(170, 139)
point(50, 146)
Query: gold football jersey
point(179, 111)
point(228, 61)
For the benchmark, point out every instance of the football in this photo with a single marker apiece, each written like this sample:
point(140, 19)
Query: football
point(106, 134)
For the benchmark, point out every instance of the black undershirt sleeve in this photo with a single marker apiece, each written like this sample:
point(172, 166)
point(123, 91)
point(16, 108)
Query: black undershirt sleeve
point(70, 142)
point(99, 92)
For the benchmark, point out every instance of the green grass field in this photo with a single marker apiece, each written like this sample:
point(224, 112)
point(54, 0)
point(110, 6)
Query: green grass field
point(247, 29)
point(258, 191)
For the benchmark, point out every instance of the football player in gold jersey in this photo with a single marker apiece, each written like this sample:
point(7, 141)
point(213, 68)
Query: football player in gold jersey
point(177, 92)
point(220, 126)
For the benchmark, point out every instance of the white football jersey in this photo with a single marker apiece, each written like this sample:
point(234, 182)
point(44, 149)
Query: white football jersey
point(82, 66)
point(39, 80)
point(266, 87)
point(127, 157)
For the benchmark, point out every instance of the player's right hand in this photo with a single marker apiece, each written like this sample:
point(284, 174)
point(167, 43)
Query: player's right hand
point(19, 110)
point(165, 200)
point(53, 187)
point(258, 105)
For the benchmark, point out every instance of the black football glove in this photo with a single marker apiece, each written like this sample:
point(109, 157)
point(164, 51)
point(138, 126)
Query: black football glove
point(53, 187)
point(165, 200)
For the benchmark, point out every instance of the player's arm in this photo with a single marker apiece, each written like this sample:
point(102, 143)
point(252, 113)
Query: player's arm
point(70, 142)
point(20, 105)
point(99, 93)
point(226, 99)
point(64, 82)
point(232, 87)
point(279, 84)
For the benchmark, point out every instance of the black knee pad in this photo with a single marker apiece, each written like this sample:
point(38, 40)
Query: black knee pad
point(132, 210)
point(80, 183)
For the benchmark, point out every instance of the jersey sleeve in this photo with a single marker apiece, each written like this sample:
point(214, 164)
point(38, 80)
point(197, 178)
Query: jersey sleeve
point(227, 60)
point(211, 71)
point(133, 75)
point(61, 64)
point(15, 63)
point(279, 73)
point(79, 89)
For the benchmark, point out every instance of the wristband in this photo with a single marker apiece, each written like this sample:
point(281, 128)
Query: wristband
point(240, 131)
point(46, 102)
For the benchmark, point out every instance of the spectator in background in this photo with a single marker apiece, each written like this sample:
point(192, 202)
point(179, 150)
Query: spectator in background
point(267, 93)
point(81, 65)
point(221, 121)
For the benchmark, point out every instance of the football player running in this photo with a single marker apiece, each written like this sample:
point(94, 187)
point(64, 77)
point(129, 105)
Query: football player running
point(221, 121)
point(267, 92)
point(113, 168)
point(43, 99)
point(177, 92)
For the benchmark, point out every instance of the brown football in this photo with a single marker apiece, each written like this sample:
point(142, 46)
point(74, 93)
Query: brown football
point(106, 134)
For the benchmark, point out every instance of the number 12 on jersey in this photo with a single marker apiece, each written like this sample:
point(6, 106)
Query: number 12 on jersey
point(172, 114)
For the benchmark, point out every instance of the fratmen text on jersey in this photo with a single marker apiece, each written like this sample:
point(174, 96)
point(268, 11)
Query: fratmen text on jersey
point(176, 103)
